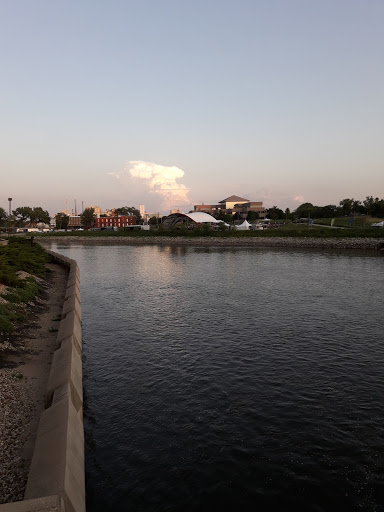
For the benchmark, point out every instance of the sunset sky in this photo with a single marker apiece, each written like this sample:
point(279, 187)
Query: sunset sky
point(172, 102)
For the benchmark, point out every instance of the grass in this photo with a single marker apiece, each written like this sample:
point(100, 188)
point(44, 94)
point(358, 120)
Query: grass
point(288, 230)
point(358, 222)
point(10, 317)
point(19, 255)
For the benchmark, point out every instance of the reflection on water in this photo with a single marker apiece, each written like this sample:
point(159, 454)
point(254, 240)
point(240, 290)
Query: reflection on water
point(244, 378)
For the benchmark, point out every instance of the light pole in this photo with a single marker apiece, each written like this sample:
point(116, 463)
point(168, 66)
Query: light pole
point(10, 213)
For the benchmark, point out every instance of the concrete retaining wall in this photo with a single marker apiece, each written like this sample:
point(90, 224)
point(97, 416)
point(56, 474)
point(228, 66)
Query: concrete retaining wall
point(56, 480)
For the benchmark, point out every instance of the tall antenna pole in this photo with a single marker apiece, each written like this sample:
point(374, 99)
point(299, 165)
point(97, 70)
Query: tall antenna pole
point(75, 208)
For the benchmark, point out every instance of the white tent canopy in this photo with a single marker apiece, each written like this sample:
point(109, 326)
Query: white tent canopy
point(201, 217)
point(244, 225)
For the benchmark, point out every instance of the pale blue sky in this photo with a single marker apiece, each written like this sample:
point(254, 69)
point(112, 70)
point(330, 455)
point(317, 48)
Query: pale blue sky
point(271, 100)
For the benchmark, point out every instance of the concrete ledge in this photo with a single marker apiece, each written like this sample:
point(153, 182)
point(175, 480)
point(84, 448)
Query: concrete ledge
point(73, 279)
point(46, 504)
point(75, 271)
point(71, 304)
point(58, 458)
point(56, 478)
point(66, 368)
point(70, 326)
point(73, 290)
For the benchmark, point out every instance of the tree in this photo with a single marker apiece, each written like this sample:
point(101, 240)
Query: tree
point(350, 206)
point(378, 208)
point(252, 215)
point(25, 214)
point(3, 217)
point(221, 215)
point(275, 213)
point(153, 221)
point(374, 207)
point(368, 203)
point(305, 210)
point(41, 215)
point(22, 214)
point(62, 221)
point(87, 217)
point(330, 210)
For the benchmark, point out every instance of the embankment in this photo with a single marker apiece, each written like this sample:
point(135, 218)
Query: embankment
point(56, 480)
point(236, 241)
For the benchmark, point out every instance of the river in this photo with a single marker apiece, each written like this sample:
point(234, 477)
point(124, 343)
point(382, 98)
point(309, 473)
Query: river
point(245, 379)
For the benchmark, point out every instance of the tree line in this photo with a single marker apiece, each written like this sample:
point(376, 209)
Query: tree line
point(373, 207)
point(25, 215)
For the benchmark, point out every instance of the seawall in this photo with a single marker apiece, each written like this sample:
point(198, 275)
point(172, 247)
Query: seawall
point(56, 480)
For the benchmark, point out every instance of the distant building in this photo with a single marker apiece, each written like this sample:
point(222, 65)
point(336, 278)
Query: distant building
point(118, 221)
point(233, 204)
point(96, 210)
point(74, 222)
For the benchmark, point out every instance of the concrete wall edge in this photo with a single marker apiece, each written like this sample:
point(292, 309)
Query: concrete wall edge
point(56, 481)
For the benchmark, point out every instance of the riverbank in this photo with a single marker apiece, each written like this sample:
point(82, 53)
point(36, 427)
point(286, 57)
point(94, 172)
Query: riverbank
point(288, 242)
point(25, 361)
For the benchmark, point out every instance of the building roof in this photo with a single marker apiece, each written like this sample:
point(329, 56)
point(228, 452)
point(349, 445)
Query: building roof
point(201, 217)
point(197, 217)
point(234, 199)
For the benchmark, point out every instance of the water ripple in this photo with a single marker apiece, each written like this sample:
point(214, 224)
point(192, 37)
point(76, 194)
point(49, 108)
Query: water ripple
point(232, 378)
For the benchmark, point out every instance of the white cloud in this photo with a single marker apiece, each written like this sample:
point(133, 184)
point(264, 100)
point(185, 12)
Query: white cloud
point(299, 199)
point(161, 180)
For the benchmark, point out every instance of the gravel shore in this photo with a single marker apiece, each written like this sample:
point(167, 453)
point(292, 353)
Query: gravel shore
point(25, 360)
point(288, 242)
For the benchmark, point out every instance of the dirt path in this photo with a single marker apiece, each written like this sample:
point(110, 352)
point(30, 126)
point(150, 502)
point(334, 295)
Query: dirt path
point(24, 371)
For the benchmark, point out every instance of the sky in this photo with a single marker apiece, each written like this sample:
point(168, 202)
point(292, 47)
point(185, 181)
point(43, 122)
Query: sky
point(171, 103)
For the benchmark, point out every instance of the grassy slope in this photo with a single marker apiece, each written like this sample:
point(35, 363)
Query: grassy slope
point(358, 222)
point(19, 255)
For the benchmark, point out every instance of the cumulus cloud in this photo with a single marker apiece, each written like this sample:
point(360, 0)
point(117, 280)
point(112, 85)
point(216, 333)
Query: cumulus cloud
point(160, 179)
point(299, 199)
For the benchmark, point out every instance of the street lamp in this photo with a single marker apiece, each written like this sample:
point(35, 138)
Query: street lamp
point(10, 213)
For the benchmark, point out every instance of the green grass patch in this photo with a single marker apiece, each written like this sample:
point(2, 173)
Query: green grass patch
point(24, 293)
point(343, 222)
point(19, 255)
point(10, 316)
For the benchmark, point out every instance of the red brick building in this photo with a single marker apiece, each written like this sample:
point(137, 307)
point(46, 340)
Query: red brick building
point(120, 221)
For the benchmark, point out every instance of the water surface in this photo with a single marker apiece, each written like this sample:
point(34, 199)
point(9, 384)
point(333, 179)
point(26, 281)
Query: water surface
point(245, 378)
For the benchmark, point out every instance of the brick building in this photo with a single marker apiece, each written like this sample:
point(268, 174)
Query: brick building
point(118, 221)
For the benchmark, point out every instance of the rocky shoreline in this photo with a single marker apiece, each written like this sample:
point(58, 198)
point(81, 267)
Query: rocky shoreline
point(25, 360)
point(284, 242)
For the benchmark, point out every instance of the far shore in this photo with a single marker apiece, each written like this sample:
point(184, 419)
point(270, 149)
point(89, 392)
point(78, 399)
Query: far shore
point(288, 242)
